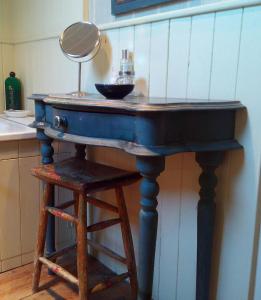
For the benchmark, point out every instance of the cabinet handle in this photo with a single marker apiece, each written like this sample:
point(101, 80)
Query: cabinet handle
point(60, 122)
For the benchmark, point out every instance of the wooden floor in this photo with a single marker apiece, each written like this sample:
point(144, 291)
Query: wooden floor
point(16, 284)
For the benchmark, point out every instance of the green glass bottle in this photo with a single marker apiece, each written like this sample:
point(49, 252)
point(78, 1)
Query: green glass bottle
point(13, 92)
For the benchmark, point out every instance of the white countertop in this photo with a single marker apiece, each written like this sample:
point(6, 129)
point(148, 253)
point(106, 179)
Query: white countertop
point(16, 128)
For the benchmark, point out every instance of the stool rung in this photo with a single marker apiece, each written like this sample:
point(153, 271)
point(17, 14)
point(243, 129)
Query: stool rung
point(101, 204)
point(61, 214)
point(101, 286)
point(103, 225)
point(58, 270)
point(61, 252)
point(65, 205)
point(106, 251)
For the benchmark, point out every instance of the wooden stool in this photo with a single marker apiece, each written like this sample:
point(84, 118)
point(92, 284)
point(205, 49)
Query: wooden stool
point(84, 177)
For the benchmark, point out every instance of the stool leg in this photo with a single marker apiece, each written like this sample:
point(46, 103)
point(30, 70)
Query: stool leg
point(127, 241)
point(82, 247)
point(41, 236)
point(76, 205)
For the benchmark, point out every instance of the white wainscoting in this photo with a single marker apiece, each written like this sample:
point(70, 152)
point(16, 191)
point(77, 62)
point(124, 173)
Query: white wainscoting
point(212, 56)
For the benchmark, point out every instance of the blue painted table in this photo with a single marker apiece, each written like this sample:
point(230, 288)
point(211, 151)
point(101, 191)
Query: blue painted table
point(150, 131)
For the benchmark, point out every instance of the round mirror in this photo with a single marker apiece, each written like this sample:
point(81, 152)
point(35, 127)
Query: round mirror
point(80, 42)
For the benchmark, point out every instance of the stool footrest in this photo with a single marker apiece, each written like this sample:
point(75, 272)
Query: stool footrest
point(61, 214)
point(101, 204)
point(61, 252)
point(58, 270)
point(106, 251)
point(65, 205)
point(103, 225)
point(101, 286)
point(92, 200)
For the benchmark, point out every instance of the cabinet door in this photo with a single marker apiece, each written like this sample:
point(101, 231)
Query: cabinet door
point(29, 202)
point(10, 237)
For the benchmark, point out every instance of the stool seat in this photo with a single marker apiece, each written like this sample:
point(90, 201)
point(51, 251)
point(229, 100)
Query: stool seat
point(84, 175)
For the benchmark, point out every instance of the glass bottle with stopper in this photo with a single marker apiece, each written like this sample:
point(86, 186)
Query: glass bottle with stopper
point(126, 74)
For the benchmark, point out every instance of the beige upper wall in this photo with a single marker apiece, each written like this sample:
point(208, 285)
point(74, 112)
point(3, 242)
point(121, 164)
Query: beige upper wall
point(5, 21)
point(1, 20)
point(30, 20)
point(37, 19)
point(6, 50)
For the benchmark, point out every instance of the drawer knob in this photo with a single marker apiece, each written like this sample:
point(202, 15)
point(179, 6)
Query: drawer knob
point(60, 122)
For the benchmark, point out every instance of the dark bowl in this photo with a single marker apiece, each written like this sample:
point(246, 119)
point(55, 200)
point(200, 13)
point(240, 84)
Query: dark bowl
point(114, 91)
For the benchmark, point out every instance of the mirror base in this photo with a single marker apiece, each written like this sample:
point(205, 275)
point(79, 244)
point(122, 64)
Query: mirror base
point(78, 94)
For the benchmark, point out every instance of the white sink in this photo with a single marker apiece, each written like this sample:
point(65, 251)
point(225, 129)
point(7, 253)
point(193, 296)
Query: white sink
point(12, 130)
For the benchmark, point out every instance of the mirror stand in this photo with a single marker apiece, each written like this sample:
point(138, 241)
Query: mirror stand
point(80, 42)
point(79, 93)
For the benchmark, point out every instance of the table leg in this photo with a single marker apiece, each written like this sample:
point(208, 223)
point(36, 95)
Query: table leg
point(150, 168)
point(80, 151)
point(208, 162)
point(47, 158)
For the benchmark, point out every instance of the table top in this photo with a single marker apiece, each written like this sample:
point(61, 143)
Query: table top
point(137, 103)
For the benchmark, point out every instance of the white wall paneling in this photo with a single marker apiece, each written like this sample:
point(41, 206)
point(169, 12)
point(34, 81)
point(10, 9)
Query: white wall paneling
point(198, 70)
point(113, 50)
point(257, 288)
point(159, 58)
point(188, 229)
point(240, 210)
point(142, 36)
point(200, 56)
point(127, 38)
point(225, 54)
point(169, 227)
point(179, 47)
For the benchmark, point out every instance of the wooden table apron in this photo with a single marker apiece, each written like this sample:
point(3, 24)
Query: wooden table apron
point(150, 132)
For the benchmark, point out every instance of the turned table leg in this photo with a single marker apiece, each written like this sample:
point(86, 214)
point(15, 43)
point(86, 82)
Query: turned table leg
point(208, 162)
point(80, 151)
point(47, 158)
point(150, 168)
